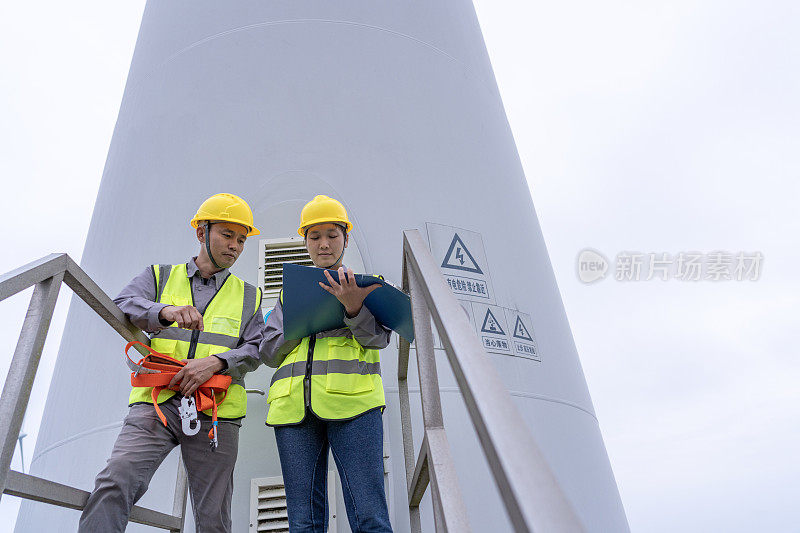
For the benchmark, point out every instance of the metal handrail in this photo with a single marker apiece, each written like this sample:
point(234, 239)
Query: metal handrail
point(47, 274)
point(531, 495)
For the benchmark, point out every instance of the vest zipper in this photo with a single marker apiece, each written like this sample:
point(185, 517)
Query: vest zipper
point(309, 360)
point(196, 332)
point(193, 344)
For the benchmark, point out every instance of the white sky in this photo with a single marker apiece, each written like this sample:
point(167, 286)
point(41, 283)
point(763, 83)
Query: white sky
point(642, 126)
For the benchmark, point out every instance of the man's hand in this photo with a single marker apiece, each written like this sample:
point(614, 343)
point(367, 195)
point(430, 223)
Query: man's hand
point(346, 291)
point(186, 316)
point(195, 373)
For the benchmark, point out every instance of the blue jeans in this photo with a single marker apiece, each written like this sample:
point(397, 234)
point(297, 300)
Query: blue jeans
point(357, 447)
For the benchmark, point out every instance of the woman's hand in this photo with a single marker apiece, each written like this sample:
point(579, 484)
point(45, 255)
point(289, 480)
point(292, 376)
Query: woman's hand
point(346, 291)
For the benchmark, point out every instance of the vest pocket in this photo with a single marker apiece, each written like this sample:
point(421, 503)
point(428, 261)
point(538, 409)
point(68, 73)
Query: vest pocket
point(283, 386)
point(279, 389)
point(223, 324)
point(348, 383)
point(172, 299)
point(350, 380)
point(165, 346)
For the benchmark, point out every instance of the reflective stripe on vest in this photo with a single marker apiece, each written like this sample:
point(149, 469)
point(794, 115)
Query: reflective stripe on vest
point(204, 337)
point(319, 368)
point(224, 321)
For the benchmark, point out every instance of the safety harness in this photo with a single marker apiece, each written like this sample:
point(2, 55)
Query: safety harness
point(160, 370)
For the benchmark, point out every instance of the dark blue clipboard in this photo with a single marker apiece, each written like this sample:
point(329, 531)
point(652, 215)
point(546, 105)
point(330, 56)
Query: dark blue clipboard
point(308, 308)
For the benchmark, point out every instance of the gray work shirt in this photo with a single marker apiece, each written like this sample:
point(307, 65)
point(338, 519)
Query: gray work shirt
point(137, 301)
point(363, 327)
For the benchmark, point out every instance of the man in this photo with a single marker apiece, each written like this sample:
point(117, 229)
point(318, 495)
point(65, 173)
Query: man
point(200, 312)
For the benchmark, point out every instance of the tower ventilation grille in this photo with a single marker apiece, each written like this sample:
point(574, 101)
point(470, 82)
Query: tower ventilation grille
point(268, 506)
point(273, 254)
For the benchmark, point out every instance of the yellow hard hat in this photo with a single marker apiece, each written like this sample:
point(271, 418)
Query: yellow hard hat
point(323, 209)
point(224, 207)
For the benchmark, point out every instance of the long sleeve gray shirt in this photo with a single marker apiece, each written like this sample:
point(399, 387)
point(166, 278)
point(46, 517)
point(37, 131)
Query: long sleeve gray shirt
point(363, 327)
point(137, 301)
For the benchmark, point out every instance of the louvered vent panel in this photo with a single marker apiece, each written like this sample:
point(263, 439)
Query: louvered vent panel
point(268, 511)
point(274, 253)
point(271, 512)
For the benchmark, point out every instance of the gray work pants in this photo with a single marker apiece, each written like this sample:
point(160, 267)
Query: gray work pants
point(142, 445)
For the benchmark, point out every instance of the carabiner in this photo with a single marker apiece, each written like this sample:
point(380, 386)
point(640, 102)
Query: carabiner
point(188, 414)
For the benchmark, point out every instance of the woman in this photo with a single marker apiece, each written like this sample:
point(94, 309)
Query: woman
point(327, 391)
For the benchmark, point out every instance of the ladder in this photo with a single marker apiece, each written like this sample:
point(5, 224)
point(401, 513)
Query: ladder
point(531, 495)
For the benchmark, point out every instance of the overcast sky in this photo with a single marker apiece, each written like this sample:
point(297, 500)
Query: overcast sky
point(661, 127)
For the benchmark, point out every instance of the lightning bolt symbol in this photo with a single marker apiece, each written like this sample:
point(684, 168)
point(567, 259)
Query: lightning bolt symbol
point(459, 255)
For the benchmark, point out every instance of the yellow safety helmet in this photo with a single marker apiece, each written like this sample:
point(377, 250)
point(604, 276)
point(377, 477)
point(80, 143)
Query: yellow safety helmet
point(224, 207)
point(323, 209)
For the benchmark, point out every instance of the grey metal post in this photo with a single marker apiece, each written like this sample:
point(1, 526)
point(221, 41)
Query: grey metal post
point(19, 381)
point(408, 436)
point(448, 506)
point(179, 503)
point(426, 358)
point(405, 410)
point(405, 417)
point(429, 396)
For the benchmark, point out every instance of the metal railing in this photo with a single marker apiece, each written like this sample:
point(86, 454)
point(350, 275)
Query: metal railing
point(531, 495)
point(46, 275)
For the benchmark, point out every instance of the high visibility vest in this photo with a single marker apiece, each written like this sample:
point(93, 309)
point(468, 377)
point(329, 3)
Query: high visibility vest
point(344, 381)
point(224, 321)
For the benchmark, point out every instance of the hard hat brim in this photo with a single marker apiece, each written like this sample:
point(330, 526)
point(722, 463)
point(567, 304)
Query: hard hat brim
point(251, 231)
point(302, 230)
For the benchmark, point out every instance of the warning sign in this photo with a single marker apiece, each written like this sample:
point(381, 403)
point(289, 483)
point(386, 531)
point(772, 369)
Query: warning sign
point(491, 325)
point(462, 260)
point(459, 258)
point(522, 337)
point(504, 331)
point(520, 331)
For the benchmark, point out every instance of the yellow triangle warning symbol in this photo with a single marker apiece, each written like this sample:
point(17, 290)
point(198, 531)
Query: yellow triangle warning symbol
point(459, 258)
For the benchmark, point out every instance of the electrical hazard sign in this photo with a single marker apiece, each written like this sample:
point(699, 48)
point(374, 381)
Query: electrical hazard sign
point(462, 259)
point(522, 337)
point(459, 258)
point(520, 331)
point(492, 328)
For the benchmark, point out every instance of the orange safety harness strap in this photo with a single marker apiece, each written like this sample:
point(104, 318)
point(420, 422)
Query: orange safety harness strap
point(163, 368)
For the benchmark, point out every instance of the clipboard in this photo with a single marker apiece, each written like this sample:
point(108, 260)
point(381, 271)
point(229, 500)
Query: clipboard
point(308, 308)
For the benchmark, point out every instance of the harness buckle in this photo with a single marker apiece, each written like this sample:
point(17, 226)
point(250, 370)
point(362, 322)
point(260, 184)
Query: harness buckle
point(188, 414)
